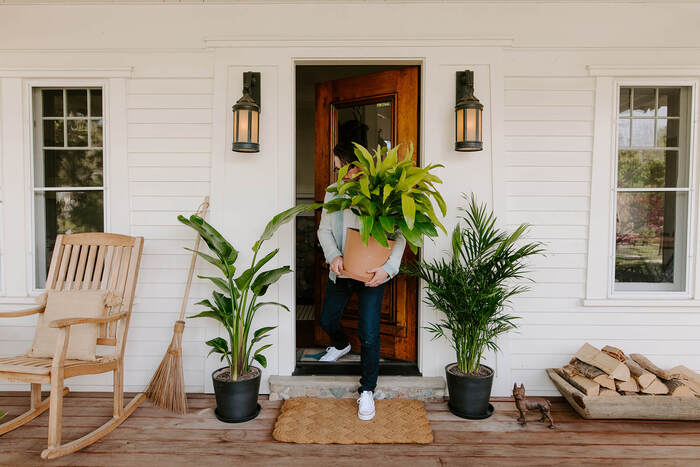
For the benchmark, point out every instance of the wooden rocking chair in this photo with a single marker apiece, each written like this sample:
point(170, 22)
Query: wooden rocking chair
point(88, 261)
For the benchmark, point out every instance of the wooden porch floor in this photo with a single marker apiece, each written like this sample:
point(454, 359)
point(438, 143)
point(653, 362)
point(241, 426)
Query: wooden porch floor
point(155, 437)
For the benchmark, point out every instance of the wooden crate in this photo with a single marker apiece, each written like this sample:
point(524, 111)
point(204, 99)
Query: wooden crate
point(644, 407)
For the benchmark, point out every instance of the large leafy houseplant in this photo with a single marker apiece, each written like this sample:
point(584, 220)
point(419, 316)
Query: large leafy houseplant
point(389, 194)
point(236, 304)
point(473, 287)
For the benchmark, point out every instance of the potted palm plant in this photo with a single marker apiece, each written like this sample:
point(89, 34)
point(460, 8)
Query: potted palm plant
point(237, 384)
point(389, 195)
point(472, 288)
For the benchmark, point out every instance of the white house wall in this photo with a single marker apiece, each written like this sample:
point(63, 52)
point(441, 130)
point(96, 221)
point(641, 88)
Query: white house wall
point(186, 62)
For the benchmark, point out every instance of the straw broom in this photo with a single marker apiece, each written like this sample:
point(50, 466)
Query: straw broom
point(167, 387)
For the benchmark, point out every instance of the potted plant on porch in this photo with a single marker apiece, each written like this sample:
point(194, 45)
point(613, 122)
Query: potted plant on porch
point(237, 384)
point(472, 288)
point(389, 195)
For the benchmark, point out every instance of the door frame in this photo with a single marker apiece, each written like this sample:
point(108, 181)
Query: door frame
point(235, 177)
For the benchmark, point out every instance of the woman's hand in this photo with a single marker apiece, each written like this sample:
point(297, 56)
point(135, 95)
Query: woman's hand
point(380, 275)
point(337, 265)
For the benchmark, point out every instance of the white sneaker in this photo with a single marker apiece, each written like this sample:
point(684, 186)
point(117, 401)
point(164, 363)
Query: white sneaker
point(365, 411)
point(333, 354)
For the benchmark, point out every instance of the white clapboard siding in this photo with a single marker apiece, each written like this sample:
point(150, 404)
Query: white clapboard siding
point(169, 144)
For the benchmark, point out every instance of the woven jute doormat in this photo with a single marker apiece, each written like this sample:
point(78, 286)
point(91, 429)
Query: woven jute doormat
point(327, 421)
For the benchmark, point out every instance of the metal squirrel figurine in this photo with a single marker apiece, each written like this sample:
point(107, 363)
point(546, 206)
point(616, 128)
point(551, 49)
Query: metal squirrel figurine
point(523, 404)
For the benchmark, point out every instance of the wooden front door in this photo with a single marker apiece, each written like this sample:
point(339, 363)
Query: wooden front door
point(386, 106)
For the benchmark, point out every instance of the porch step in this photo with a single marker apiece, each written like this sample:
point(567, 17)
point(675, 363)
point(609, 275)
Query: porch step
point(388, 387)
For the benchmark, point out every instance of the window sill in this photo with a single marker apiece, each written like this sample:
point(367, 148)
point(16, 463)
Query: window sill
point(641, 303)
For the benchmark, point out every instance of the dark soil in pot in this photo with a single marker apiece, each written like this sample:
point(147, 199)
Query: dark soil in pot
point(469, 393)
point(236, 401)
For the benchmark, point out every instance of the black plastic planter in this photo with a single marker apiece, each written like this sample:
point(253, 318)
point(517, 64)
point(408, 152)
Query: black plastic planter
point(469, 395)
point(236, 401)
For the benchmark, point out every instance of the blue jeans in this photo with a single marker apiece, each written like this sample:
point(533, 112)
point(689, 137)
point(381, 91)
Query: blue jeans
point(370, 298)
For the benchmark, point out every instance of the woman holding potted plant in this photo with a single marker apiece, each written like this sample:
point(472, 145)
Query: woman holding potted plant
point(361, 196)
point(471, 289)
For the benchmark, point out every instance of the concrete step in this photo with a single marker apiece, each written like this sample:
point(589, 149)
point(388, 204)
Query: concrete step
point(409, 387)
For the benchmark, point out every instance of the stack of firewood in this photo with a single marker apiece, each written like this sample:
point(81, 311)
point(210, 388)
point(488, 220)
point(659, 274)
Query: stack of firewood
point(609, 372)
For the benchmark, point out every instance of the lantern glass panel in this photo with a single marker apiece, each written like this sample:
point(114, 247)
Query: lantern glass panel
point(479, 136)
point(254, 126)
point(471, 124)
point(235, 126)
point(243, 126)
point(460, 125)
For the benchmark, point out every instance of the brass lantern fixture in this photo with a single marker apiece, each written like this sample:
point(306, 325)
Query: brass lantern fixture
point(246, 115)
point(468, 115)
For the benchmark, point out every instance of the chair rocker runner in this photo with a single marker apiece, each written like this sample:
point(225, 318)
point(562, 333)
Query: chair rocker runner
point(81, 262)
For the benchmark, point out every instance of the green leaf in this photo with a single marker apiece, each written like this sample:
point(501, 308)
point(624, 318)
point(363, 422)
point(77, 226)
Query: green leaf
point(210, 259)
point(218, 345)
point(260, 358)
point(214, 240)
point(408, 205)
point(364, 186)
point(342, 173)
point(389, 223)
point(267, 278)
point(217, 281)
point(266, 346)
point(261, 333)
point(261, 304)
point(281, 219)
point(387, 191)
point(379, 235)
point(412, 236)
point(210, 314)
point(366, 223)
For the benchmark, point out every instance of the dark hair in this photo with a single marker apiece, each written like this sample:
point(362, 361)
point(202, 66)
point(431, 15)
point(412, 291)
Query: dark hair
point(352, 131)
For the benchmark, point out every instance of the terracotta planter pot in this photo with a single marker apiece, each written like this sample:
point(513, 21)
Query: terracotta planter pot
point(358, 258)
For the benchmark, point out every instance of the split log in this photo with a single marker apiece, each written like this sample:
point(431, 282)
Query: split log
point(583, 384)
point(615, 353)
point(644, 378)
point(627, 386)
point(648, 365)
point(614, 368)
point(693, 379)
point(605, 392)
point(678, 388)
point(593, 373)
point(656, 387)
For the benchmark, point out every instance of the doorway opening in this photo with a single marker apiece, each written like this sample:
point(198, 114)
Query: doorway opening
point(382, 102)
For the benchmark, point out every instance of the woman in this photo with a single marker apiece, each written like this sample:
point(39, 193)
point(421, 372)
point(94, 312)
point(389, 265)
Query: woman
point(331, 235)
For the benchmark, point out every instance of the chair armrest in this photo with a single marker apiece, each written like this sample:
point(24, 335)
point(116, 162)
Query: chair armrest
point(62, 323)
point(26, 312)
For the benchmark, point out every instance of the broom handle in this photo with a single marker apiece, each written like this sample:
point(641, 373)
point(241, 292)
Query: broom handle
point(201, 212)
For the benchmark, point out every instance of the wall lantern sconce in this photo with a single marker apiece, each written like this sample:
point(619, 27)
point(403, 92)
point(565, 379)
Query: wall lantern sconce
point(468, 110)
point(246, 115)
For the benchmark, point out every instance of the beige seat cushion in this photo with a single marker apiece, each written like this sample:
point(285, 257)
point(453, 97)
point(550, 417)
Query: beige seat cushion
point(83, 337)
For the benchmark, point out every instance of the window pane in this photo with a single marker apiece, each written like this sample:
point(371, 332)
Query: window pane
point(669, 102)
point(650, 169)
point(63, 212)
point(77, 133)
point(96, 133)
point(53, 133)
point(623, 132)
point(667, 132)
point(66, 168)
point(76, 102)
point(642, 132)
point(644, 102)
point(96, 102)
point(650, 238)
point(625, 101)
point(52, 100)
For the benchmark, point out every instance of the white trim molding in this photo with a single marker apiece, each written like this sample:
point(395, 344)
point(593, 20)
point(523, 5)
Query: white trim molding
point(599, 291)
point(640, 71)
point(64, 73)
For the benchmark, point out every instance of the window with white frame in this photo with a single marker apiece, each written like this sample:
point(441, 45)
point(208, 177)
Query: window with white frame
point(652, 191)
point(68, 167)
